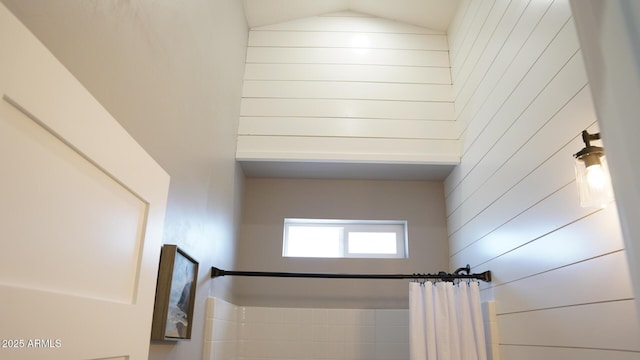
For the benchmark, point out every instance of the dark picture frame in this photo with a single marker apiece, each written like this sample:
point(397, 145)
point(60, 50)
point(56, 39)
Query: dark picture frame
point(175, 295)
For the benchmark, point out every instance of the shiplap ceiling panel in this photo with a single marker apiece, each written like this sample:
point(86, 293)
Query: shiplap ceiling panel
point(274, 55)
point(347, 90)
point(347, 40)
point(348, 127)
point(346, 72)
point(341, 108)
point(433, 14)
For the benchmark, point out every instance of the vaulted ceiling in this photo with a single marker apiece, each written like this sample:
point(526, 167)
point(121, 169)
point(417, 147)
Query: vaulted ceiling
point(156, 47)
point(434, 14)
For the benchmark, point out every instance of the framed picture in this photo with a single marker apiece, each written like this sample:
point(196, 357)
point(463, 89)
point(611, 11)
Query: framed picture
point(175, 295)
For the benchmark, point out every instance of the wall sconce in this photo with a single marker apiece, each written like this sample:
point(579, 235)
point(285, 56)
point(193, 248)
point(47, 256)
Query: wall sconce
point(592, 174)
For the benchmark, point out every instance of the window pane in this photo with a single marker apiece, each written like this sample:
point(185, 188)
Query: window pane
point(335, 238)
point(372, 243)
point(313, 241)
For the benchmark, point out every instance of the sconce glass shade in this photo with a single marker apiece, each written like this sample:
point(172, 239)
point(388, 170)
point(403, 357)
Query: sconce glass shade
point(594, 183)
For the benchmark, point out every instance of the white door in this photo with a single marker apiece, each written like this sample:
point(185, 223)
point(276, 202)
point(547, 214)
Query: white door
point(81, 212)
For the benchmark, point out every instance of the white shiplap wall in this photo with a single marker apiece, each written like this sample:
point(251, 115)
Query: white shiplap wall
point(561, 280)
point(347, 87)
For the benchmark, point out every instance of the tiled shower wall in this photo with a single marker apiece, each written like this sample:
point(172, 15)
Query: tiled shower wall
point(220, 330)
point(285, 333)
point(291, 333)
point(262, 333)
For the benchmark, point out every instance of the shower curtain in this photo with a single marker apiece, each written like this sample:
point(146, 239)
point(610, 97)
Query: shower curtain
point(446, 321)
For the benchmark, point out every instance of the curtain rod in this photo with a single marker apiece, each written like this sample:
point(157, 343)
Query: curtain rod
point(485, 276)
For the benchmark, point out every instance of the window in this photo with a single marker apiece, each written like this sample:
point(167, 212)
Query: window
point(345, 238)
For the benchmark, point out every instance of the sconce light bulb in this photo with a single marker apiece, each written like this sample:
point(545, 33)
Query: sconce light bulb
point(596, 177)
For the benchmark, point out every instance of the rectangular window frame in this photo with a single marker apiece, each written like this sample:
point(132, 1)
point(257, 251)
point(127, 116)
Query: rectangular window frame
point(398, 226)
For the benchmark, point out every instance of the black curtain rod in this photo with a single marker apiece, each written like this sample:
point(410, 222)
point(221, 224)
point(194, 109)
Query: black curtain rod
point(485, 276)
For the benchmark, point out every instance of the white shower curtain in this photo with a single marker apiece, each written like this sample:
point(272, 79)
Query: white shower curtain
point(446, 322)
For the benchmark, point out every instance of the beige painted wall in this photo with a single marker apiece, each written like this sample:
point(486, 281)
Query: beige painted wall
point(268, 201)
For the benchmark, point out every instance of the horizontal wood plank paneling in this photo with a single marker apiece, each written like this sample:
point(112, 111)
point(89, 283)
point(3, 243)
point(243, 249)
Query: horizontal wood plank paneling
point(345, 72)
point(455, 26)
point(583, 277)
point(506, 191)
point(532, 222)
point(349, 82)
point(348, 40)
point(374, 109)
point(506, 252)
point(608, 325)
point(481, 16)
point(526, 43)
point(346, 90)
point(560, 275)
point(484, 36)
point(348, 127)
point(347, 149)
point(564, 353)
point(536, 65)
point(558, 64)
point(471, 77)
point(519, 149)
point(546, 199)
point(500, 85)
point(491, 67)
point(462, 28)
point(279, 55)
point(552, 35)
